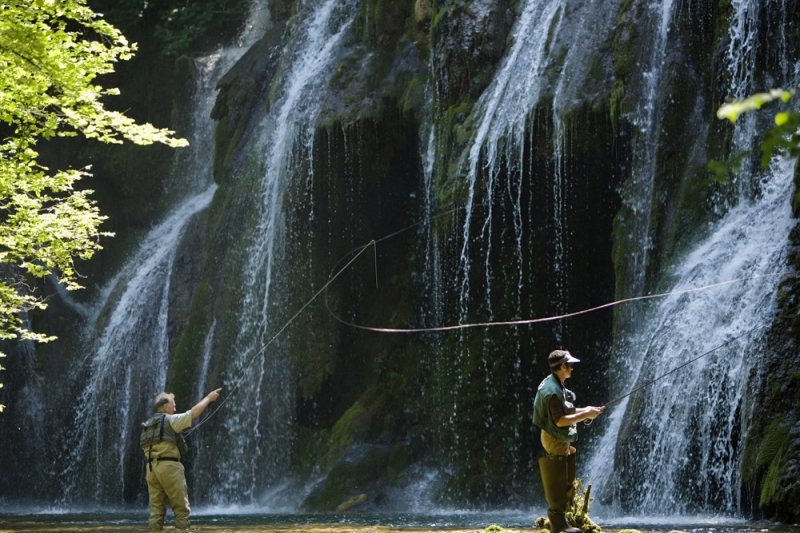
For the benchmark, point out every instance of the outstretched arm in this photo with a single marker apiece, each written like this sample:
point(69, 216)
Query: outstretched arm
point(205, 402)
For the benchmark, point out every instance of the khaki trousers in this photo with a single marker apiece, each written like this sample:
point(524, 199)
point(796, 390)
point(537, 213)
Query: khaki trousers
point(166, 484)
point(555, 447)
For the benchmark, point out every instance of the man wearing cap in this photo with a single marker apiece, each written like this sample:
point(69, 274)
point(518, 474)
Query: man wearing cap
point(555, 414)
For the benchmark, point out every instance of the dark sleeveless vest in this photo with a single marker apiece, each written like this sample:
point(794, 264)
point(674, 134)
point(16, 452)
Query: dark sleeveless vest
point(541, 410)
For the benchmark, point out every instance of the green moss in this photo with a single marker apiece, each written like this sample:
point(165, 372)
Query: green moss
point(551, 30)
point(415, 92)
point(457, 132)
point(615, 99)
point(343, 434)
point(181, 376)
point(347, 480)
point(382, 22)
point(775, 438)
point(625, 43)
point(771, 482)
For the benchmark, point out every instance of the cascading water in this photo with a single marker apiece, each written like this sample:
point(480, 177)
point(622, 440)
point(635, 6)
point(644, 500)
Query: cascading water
point(636, 214)
point(677, 444)
point(259, 372)
point(682, 435)
point(500, 119)
point(507, 176)
point(512, 255)
point(502, 114)
point(131, 352)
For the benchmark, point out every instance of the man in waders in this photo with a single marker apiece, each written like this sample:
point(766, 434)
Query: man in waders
point(163, 446)
point(554, 413)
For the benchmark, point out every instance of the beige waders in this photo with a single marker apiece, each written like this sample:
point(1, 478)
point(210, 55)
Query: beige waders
point(166, 484)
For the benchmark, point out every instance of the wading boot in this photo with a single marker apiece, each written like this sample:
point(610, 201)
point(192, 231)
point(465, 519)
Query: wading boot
point(555, 473)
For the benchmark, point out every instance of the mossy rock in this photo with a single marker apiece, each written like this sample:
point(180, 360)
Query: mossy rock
point(775, 438)
point(358, 482)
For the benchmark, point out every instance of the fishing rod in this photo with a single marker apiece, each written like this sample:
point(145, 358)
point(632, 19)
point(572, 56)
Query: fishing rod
point(243, 372)
point(687, 363)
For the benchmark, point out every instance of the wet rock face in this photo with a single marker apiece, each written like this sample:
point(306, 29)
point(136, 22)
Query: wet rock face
point(772, 447)
point(186, 275)
point(468, 40)
point(241, 93)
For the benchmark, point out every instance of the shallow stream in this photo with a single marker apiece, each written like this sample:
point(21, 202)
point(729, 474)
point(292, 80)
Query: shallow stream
point(251, 521)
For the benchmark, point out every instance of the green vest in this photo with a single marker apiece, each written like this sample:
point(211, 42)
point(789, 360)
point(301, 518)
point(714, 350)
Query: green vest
point(541, 410)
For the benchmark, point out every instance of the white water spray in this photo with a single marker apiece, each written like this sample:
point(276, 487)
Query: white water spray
point(260, 372)
point(676, 445)
point(131, 353)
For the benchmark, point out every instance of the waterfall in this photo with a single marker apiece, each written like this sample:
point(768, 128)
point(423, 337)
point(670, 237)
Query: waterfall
point(502, 112)
point(636, 214)
point(683, 434)
point(452, 409)
point(676, 445)
point(129, 351)
point(130, 356)
point(259, 372)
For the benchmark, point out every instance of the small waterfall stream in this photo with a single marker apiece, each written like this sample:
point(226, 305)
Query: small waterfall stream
point(130, 353)
point(261, 372)
point(679, 440)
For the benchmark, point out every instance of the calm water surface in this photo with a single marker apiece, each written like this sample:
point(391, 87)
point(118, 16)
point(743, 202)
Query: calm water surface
point(250, 521)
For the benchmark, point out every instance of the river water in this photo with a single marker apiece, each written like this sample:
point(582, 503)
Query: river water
point(213, 520)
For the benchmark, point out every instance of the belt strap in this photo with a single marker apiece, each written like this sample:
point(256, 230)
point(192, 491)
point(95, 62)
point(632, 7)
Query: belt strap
point(164, 459)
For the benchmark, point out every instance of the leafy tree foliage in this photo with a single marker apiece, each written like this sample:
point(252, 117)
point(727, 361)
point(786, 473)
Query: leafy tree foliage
point(51, 52)
point(784, 137)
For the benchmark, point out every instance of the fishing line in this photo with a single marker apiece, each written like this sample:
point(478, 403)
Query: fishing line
point(275, 336)
point(550, 318)
point(356, 252)
point(790, 310)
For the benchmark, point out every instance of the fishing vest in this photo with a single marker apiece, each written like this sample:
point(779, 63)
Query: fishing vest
point(155, 431)
point(541, 410)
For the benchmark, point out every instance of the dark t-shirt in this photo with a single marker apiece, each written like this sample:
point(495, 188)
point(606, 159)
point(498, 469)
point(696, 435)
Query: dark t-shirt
point(556, 409)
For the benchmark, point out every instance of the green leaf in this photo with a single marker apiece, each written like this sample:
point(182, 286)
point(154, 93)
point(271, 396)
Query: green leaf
point(781, 118)
point(732, 110)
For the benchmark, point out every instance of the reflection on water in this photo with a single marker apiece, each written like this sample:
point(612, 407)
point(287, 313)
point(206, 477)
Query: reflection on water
point(254, 522)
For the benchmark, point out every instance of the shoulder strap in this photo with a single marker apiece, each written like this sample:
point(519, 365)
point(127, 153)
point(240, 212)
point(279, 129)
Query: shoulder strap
point(150, 448)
